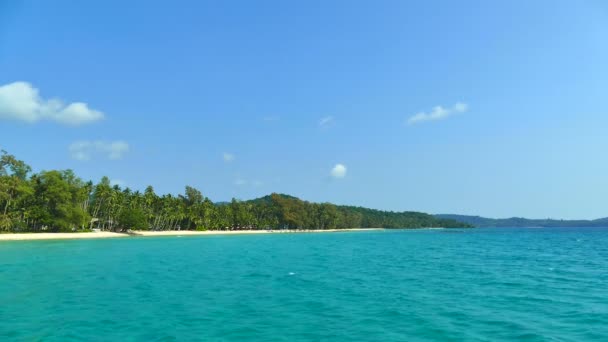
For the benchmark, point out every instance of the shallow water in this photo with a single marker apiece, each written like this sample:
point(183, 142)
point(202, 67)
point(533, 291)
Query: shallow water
point(422, 285)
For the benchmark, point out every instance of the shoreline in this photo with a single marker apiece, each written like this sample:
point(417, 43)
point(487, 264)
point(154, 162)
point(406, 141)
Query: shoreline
point(144, 233)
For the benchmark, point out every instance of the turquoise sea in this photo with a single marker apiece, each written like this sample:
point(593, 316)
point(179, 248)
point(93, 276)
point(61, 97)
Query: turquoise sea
point(398, 285)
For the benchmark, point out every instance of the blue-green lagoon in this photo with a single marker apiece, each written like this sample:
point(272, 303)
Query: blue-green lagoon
point(394, 285)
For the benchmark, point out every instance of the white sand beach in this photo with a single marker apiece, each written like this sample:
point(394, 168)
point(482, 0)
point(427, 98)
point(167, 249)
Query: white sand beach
point(143, 233)
point(59, 236)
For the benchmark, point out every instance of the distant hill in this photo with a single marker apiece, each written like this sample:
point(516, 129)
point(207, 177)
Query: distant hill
point(294, 212)
point(269, 198)
point(479, 221)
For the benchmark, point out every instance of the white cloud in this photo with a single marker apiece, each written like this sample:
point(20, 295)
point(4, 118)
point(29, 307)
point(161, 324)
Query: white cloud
point(461, 107)
point(326, 121)
point(339, 171)
point(228, 157)
point(438, 113)
point(20, 101)
point(244, 182)
point(240, 182)
point(86, 150)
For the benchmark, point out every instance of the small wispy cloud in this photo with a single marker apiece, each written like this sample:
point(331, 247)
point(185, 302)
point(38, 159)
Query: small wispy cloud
point(326, 121)
point(438, 113)
point(86, 150)
point(244, 182)
point(20, 101)
point(228, 157)
point(240, 182)
point(338, 171)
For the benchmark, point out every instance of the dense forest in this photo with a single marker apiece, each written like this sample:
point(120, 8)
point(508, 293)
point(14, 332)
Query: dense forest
point(60, 201)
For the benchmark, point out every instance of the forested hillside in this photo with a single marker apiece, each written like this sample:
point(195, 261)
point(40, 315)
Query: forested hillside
point(513, 222)
point(60, 201)
point(295, 213)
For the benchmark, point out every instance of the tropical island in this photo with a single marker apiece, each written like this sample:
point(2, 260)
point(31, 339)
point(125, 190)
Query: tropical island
point(59, 201)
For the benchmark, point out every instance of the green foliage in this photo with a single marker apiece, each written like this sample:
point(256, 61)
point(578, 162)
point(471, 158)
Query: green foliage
point(293, 213)
point(133, 218)
point(60, 201)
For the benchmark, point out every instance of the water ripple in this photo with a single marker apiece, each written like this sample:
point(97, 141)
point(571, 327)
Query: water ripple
point(427, 285)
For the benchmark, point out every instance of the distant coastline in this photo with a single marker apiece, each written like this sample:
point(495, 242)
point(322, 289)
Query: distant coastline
point(141, 233)
point(520, 222)
point(60, 201)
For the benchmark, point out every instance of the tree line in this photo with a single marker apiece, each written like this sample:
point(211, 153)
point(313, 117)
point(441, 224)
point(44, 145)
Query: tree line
point(60, 201)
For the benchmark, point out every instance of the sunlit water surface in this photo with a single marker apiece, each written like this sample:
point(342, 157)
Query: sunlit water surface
point(400, 285)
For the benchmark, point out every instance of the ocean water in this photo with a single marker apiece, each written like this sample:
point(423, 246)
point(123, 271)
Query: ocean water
point(401, 285)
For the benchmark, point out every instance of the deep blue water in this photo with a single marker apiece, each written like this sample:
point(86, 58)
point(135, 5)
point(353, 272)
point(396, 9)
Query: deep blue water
point(422, 285)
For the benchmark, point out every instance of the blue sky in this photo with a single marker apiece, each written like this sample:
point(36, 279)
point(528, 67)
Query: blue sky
point(472, 107)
